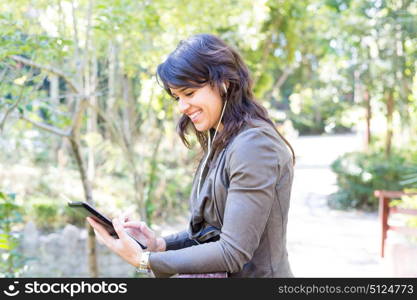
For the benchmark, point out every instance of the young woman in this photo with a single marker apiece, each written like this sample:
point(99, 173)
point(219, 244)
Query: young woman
point(241, 190)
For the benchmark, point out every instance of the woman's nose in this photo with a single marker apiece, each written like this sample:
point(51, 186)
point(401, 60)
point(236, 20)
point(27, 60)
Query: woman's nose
point(183, 106)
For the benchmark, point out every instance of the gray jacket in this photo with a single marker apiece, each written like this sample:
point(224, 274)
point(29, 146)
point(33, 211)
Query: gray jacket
point(245, 193)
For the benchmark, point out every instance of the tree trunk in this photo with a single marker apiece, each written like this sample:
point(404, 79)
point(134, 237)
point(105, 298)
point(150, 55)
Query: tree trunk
point(88, 194)
point(54, 89)
point(127, 127)
point(128, 110)
point(91, 83)
point(137, 182)
point(112, 74)
point(152, 174)
point(389, 133)
point(80, 63)
point(54, 102)
point(279, 82)
point(368, 134)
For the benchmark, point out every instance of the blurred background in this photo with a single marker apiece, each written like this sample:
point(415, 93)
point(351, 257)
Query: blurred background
point(82, 118)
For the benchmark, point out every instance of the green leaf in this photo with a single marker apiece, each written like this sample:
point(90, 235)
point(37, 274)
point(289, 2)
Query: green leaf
point(4, 246)
point(29, 107)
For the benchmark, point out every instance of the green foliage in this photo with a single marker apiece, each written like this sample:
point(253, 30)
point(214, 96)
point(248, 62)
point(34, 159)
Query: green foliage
point(264, 84)
point(317, 112)
point(49, 214)
point(46, 214)
point(12, 262)
point(410, 179)
point(360, 174)
point(15, 39)
point(70, 216)
point(408, 202)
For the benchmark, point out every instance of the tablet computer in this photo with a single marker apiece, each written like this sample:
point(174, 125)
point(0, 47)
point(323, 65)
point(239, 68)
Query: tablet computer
point(88, 210)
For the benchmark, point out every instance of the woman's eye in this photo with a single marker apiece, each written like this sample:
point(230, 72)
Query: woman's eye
point(176, 98)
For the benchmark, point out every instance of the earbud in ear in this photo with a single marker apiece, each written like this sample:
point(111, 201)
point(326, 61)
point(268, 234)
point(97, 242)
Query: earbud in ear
point(224, 88)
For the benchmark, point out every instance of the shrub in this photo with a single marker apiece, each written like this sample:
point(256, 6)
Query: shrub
point(45, 215)
point(71, 216)
point(360, 174)
point(408, 202)
point(49, 215)
point(12, 263)
point(317, 112)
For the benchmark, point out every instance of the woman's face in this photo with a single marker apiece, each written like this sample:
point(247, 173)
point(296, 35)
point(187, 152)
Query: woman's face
point(202, 105)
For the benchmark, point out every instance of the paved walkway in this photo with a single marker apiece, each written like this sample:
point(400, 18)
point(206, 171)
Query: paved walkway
point(323, 242)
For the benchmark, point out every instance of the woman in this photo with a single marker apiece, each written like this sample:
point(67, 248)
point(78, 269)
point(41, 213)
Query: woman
point(241, 190)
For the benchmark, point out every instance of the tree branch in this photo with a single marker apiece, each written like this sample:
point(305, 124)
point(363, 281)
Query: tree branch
point(47, 127)
point(287, 72)
point(111, 125)
point(77, 121)
point(50, 69)
point(12, 108)
point(3, 73)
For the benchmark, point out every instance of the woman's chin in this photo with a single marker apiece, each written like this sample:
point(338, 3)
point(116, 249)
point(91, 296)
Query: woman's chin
point(200, 127)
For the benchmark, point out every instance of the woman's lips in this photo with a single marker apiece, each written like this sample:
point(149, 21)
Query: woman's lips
point(194, 116)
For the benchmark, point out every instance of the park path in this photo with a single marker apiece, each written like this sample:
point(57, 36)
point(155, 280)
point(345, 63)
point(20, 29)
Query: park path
point(323, 242)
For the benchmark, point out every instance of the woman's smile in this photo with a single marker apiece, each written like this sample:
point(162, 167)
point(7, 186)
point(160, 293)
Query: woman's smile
point(202, 105)
point(195, 116)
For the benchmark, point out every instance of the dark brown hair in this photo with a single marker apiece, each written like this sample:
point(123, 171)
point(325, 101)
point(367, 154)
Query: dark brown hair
point(205, 59)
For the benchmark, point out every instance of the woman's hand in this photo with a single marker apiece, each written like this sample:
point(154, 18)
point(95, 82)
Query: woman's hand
point(142, 233)
point(124, 246)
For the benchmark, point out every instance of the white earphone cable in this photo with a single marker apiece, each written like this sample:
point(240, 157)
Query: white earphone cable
point(209, 149)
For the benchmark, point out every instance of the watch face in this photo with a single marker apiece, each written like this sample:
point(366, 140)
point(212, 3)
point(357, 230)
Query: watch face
point(144, 263)
point(143, 270)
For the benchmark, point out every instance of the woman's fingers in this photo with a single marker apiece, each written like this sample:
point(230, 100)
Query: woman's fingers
point(126, 240)
point(126, 216)
point(98, 237)
point(124, 246)
point(132, 224)
point(118, 227)
point(101, 232)
point(146, 230)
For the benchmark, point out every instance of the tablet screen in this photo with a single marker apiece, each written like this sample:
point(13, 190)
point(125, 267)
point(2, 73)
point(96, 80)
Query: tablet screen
point(89, 211)
point(86, 210)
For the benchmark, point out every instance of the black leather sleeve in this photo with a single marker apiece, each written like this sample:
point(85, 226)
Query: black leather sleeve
point(178, 241)
point(181, 240)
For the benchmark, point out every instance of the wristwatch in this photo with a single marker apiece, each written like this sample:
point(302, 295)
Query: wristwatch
point(144, 266)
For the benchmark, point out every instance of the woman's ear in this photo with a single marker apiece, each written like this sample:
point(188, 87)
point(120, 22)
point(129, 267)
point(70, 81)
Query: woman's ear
point(224, 87)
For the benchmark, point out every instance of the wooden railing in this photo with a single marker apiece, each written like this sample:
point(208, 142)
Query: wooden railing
point(385, 211)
